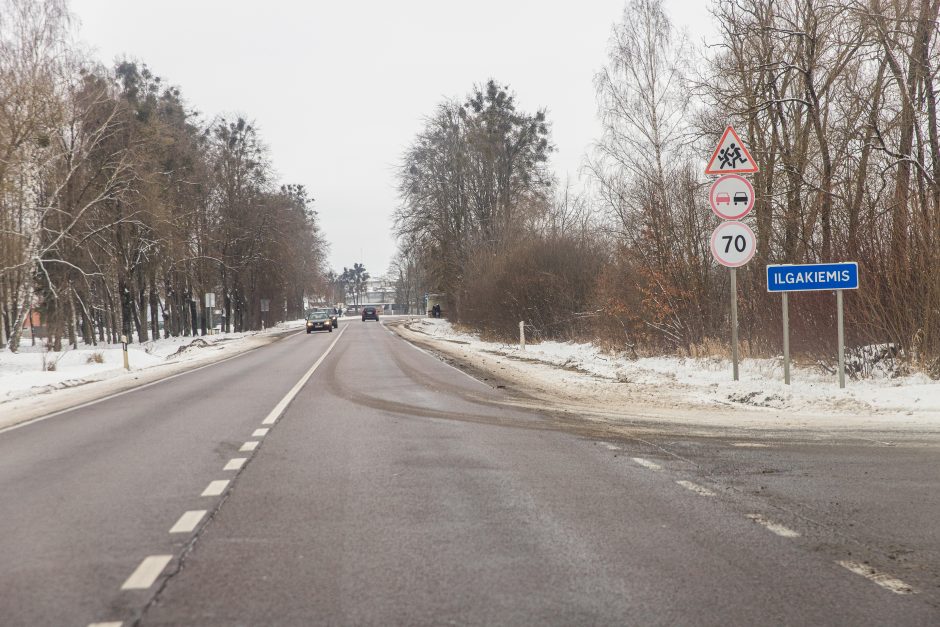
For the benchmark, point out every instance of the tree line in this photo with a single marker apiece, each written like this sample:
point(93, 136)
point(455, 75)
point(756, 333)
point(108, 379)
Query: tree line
point(837, 102)
point(347, 286)
point(121, 208)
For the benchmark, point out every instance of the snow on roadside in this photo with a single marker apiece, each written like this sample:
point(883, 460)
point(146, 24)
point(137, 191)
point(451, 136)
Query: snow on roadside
point(707, 382)
point(28, 373)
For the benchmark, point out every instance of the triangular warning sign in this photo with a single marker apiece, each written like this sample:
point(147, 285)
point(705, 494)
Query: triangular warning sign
point(731, 156)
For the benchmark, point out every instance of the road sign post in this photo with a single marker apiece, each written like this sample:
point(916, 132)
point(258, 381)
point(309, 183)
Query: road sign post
point(816, 277)
point(733, 244)
point(786, 340)
point(732, 197)
point(265, 308)
point(210, 306)
point(840, 326)
point(734, 323)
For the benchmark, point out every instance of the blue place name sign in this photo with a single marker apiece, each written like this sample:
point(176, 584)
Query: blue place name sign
point(812, 277)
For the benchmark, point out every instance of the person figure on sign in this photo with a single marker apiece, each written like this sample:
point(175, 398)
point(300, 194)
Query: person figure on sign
point(730, 156)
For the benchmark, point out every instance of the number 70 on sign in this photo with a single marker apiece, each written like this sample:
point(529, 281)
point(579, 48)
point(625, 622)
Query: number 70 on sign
point(733, 244)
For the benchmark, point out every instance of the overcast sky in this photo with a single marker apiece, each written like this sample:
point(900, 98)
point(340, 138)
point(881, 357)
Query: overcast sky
point(339, 89)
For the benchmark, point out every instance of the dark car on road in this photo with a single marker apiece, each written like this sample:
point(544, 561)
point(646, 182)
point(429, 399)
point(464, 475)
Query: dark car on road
point(334, 317)
point(370, 313)
point(319, 321)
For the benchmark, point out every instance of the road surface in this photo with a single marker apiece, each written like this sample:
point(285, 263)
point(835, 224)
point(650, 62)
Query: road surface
point(348, 478)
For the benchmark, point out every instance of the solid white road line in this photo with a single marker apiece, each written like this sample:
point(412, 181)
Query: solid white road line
point(188, 521)
point(248, 446)
point(235, 463)
point(885, 581)
point(112, 624)
point(750, 445)
point(147, 572)
point(647, 463)
point(272, 417)
point(215, 488)
point(260, 433)
point(776, 528)
point(432, 356)
point(694, 487)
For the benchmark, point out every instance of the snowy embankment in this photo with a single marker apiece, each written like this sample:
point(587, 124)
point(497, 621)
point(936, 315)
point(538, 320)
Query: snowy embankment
point(34, 371)
point(583, 372)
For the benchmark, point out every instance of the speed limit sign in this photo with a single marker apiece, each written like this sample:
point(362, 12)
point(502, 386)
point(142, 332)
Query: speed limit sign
point(733, 244)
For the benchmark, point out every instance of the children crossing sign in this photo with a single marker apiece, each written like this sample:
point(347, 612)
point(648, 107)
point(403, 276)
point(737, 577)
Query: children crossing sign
point(731, 156)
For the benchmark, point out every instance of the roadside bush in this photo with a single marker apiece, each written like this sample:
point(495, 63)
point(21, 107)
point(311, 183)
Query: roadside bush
point(545, 280)
point(95, 358)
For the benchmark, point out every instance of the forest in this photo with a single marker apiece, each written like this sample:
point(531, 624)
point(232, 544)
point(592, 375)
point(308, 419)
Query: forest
point(121, 207)
point(836, 102)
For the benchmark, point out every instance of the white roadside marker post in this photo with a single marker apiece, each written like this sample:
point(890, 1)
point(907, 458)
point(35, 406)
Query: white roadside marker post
point(127, 365)
point(521, 335)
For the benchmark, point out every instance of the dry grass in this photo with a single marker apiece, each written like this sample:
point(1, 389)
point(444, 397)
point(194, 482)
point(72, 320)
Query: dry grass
point(713, 347)
point(95, 358)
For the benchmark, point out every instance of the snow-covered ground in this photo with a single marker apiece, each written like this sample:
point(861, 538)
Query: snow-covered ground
point(583, 372)
point(33, 371)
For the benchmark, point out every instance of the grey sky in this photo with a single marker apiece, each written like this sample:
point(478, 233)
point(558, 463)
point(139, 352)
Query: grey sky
point(338, 89)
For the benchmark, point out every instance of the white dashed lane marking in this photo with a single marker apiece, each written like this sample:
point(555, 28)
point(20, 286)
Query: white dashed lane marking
point(647, 463)
point(694, 487)
point(260, 433)
point(235, 463)
point(612, 447)
point(780, 530)
point(750, 445)
point(188, 521)
point(147, 572)
point(884, 580)
point(248, 446)
point(112, 624)
point(215, 488)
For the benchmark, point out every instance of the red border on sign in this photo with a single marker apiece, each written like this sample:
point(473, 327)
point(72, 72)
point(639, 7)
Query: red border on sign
point(715, 250)
point(711, 162)
point(747, 209)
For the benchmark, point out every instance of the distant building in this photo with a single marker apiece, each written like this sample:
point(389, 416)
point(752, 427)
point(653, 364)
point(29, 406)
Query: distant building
point(379, 291)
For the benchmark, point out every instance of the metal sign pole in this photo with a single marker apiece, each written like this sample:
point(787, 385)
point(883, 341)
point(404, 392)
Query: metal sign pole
point(840, 323)
point(786, 340)
point(734, 321)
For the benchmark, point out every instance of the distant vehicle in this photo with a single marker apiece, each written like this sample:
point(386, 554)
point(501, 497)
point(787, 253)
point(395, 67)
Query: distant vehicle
point(319, 321)
point(723, 199)
point(740, 197)
point(370, 313)
point(334, 318)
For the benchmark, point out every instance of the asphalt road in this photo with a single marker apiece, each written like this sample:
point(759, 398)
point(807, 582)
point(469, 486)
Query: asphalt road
point(394, 489)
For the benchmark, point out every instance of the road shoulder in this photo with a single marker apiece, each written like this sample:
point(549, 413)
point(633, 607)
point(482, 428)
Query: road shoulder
point(23, 410)
point(571, 391)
